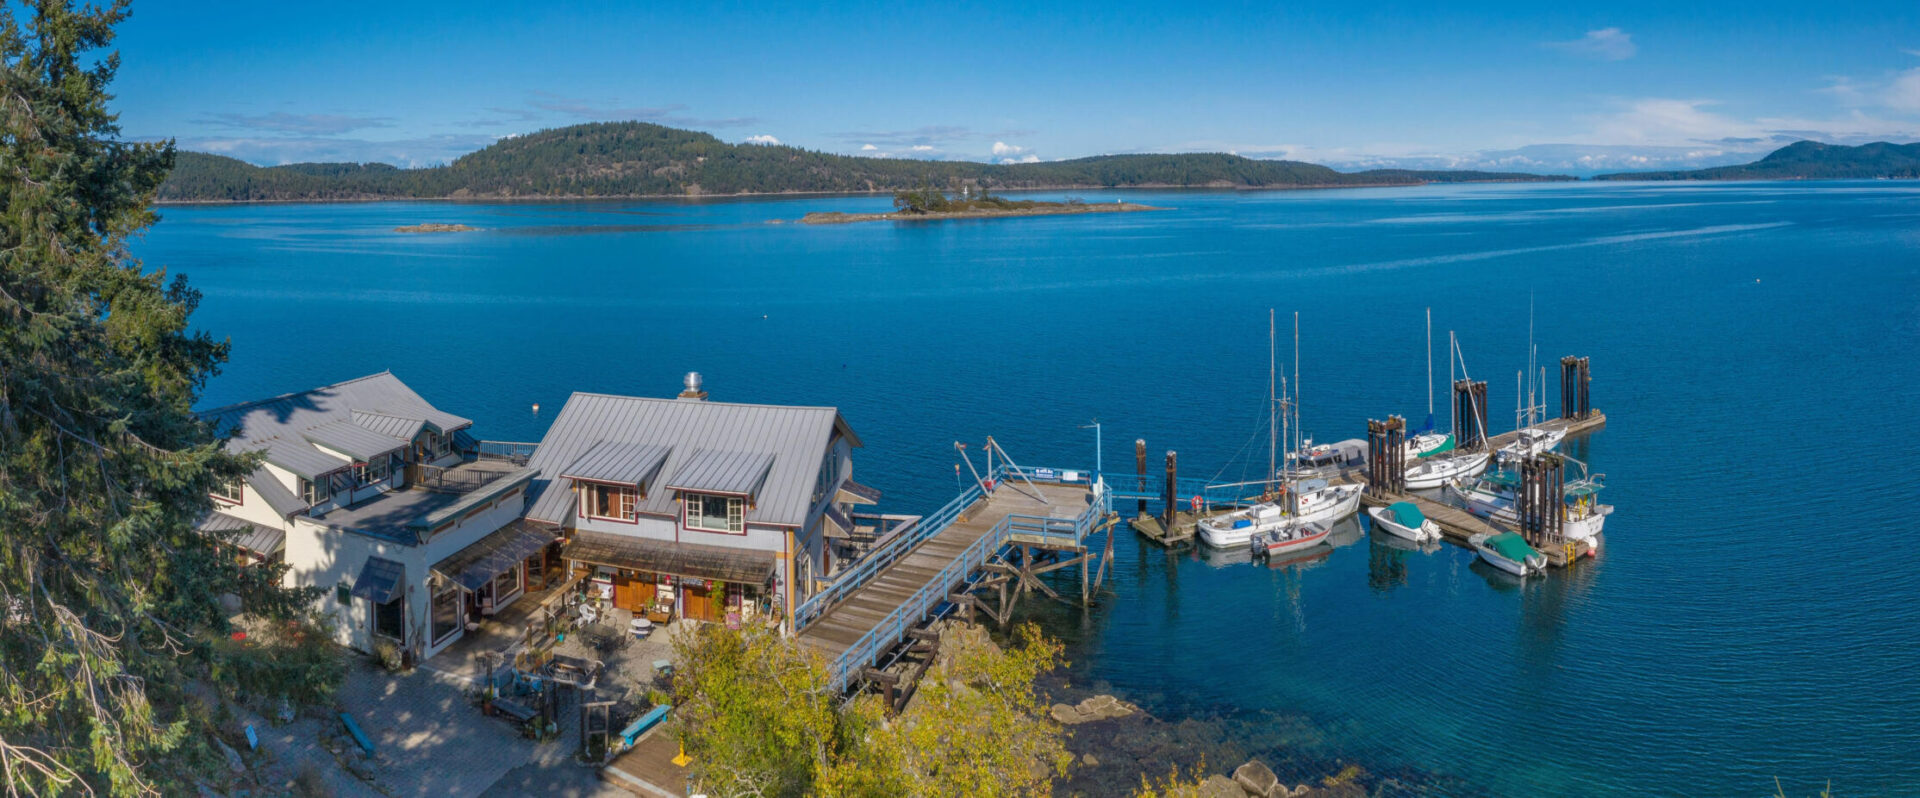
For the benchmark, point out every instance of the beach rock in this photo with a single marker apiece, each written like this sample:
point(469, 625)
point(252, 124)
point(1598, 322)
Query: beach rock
point(1218, 786)
point(1256, 778)
point(1090, 760)
point(1100, 707)
point(234, 762)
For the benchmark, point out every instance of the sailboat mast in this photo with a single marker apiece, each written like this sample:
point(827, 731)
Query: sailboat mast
point(1453, 349)
point(1273, 405)
point(1429, 365)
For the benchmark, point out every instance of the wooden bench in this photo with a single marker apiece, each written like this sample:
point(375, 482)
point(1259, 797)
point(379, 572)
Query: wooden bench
point(653, 717)
point(513, 709)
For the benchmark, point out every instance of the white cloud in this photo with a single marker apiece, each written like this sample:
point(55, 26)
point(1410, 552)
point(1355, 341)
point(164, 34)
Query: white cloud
point(1028, 158)
point(1903, 93)
point(868, 148)
point(923, 148)
point(1606, 44)
point(1002, 149)
point(762, 139)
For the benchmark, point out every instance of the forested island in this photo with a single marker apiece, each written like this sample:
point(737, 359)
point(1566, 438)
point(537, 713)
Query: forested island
point(1807, 160)
point(929, 204)
point(637, 159)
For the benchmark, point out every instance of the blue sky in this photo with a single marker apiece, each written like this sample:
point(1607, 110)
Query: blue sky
point(1471, 85)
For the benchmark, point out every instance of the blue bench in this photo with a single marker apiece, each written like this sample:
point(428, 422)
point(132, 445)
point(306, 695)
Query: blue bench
point(358, 735)
point(653, 717)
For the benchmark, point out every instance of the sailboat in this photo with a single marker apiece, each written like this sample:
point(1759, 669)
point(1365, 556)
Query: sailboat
point(1530, 438)
point(1303, 512)
point(1427, 442)
point(1435, 471)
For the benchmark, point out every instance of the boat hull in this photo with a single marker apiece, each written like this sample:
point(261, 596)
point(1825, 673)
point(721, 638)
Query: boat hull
point(1383, 520)
point(1331, 504)
point(1268, 544)
point(1438, 471)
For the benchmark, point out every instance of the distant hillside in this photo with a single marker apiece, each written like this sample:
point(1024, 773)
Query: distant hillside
point(1807, 160)
point(631, 159)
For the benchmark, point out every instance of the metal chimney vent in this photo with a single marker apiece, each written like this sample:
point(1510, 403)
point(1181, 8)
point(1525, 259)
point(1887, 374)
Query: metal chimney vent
point(693, 387)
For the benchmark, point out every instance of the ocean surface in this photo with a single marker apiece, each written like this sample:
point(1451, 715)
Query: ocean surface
point(1754, 346)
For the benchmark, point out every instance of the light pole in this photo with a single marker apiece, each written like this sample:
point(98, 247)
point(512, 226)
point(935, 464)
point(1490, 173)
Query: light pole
point(1098, 466)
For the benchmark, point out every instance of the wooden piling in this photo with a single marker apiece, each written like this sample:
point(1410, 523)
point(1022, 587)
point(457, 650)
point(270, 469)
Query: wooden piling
point(1172, 493)
point(1140, 466)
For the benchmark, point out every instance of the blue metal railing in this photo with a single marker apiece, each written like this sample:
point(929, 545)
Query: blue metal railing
point(893, 628)
point(1152, 488)
point(878, 560)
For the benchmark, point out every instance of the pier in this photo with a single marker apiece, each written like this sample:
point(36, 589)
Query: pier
point(997, 537)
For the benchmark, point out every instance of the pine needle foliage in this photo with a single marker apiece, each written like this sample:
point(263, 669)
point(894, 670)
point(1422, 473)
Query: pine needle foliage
point(107, 595)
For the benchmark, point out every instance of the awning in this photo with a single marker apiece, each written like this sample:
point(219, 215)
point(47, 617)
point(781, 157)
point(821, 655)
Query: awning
point(715, 471)
point(853, 492)
point(838, 525)
point(493, 555)
point(258, 539)
point(720, 563)
point(380, 581)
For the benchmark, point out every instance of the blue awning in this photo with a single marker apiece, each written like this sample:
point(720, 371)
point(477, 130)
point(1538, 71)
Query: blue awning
point(380, 581)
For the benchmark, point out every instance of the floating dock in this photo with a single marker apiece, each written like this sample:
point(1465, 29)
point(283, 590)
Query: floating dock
point(1151, 527)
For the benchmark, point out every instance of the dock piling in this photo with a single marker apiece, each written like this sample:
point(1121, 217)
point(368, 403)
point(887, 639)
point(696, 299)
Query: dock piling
point(1172, 493)
point(1469, 414)
point(1387, 456)
point(1575, 398)
point(1140, 466)
point(1540, 506)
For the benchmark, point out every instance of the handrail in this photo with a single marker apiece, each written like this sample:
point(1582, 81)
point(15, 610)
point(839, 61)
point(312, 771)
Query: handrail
point(908, 613)
point(881, 557)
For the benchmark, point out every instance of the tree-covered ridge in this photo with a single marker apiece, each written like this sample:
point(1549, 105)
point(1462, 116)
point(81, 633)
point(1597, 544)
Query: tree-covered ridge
point(1807, 160)
point(627, 159)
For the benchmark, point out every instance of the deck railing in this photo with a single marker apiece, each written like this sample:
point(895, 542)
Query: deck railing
point(515, 452)
point(451, 480)
point(904, 541)
point(909, 614)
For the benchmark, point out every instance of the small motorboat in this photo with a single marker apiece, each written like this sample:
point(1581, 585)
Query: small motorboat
point(1530, 441)
point(1290, 538)
point(1508, 552)
point(1404, 519)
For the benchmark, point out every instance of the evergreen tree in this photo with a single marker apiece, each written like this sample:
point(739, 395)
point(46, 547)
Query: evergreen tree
point(107, 595)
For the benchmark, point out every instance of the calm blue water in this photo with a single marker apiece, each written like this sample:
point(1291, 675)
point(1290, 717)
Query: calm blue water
point(1753, 345)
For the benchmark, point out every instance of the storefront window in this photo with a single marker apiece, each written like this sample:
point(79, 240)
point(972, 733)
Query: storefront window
point(446, 612)
point(390, 619)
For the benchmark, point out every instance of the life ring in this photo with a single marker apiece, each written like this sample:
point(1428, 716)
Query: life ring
point(1195, 503)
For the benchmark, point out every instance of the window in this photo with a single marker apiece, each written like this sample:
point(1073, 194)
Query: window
point(390, 619)
point(372, 471)
point(315, 491)
point(715, 513)
point(829, 474)
point(506, 585)
point(343, 593)
point(614, 502)
point(446, 611)
point(233, 492)
point(441, 445)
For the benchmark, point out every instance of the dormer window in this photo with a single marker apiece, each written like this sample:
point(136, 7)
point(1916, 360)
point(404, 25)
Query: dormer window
point(609, 502)
point(231, 492)
point(315, 491)
point(709, 513)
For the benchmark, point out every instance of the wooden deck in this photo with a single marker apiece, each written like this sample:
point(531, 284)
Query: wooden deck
point(647, 768)
point(1150, 526)
point(849, 621)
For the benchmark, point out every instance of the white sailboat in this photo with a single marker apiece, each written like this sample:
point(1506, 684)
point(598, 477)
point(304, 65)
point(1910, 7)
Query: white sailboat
point(1435, 471)
point(1299, 503)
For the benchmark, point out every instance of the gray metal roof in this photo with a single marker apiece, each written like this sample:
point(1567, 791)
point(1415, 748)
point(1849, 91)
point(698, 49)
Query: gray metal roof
point(715, 471)
point(409, 516)
point(301, 458)
point(396, 426)
point(278, 424)
point(626, 463)
point(353, 439)
point(260, 539)
point(445, 422)
point(274, 493)
point(795, 437)
point(380, 580)
point(856, 493)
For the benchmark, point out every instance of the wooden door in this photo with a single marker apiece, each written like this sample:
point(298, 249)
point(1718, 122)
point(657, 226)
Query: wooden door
point(625, 593)
point(699, 604)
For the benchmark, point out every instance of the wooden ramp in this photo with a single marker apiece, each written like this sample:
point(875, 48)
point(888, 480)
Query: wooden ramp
point(900, 586)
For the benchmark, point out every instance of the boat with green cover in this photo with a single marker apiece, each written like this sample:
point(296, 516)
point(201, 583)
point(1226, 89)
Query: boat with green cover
point(1509, 552)
point(1404, 519)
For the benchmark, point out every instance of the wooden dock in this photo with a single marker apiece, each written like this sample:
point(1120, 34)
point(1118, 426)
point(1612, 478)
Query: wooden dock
point(902, 587)
point(1150, 526)
point(1574, 427)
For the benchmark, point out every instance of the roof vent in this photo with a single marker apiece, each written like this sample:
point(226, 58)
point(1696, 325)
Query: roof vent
point(693, 389)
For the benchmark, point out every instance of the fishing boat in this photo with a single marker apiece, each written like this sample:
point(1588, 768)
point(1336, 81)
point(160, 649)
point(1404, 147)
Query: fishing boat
point(1327, 460)
point(1404, 519)
point(1495, 494)
point(1281, 541)
point(1508, 552)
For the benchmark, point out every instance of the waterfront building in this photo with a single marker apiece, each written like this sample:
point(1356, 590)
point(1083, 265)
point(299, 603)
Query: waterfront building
point(387, 503)
point(684, 507)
